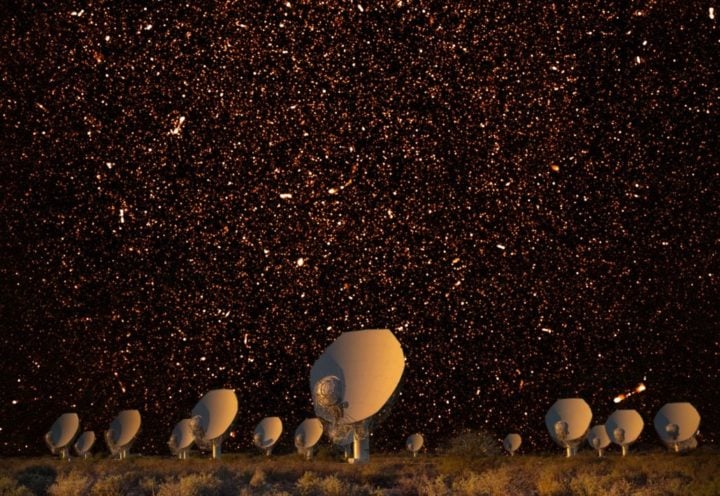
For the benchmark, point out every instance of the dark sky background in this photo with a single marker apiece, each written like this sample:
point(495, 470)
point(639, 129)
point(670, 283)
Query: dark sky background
point(205, 194)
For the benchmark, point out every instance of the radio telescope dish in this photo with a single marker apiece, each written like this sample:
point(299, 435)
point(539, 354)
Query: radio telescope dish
point(623, 427)
point(182, 439)
point(688, 445)
point(354, 382)
point(567, 421)
point(212, 417)
point(677, 423)
point(512, 443)
point(598, 438)
point(414, 443)
point(62, 433)
point(122, 432)
point(267, 433)
point(307, 435)
point(84, 444)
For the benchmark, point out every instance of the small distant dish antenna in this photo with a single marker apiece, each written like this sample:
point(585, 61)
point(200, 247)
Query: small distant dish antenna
point(212, 417)
point(84, 444)
point(677, 425)
point(415, 443)
point(181, 439)
point(267, 433)
point(354, 383)
point(512, 443)
point(598, 438)
point(123, 431)
point(568, 421)
point(623, 427)
point(307, 435)
point(62, 433)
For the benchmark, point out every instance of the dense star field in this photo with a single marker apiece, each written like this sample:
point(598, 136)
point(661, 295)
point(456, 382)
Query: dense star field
point(205, 195)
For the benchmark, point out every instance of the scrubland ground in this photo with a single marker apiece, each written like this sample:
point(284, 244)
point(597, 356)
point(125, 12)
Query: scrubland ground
point(650, 474)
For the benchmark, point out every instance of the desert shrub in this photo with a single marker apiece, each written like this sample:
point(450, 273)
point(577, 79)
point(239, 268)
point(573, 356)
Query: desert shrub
point(37, 478)
point(549, 484)
point(436, 486)
point(149, 486)
point(8, 487)
point(472, 444)
point(488, 483)
point(70, 484)
point(111, 485)
point(312, 484)
point(203, 484)
point(258, 478)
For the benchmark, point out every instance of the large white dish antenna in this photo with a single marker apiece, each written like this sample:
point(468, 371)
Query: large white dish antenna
point(307, 435)
point(414, 443)
point(182, 438)
point(354, 379)
point(623, 427)
point(512, 443)
point(267, 433)
point(598, 438)
point(123, 430)
point(62, 433)
point(84, 444)
point(676, 424)
point(212, 417)
point(568, 421)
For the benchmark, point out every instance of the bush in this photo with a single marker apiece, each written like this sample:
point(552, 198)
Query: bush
point(491, 482)
point(191, 485)
point(112, 485)
point(70, 484)
point(37, 478)
point(473, 444)
point(258, 478)
point(8, 487)
point(312, 484)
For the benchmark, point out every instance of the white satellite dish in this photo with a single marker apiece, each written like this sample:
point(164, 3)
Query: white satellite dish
point(414, 443)
point(307, 435)
point(84, 444)
point(212, 417)
point(567, 421)
point(62, 433)
point(598, 438)
point(267, 433)
point(623, 427)
point(123, 430)
point(677, 424)
point(181, 439)
point(688, 445)
point(512, 443)
point(353, 381)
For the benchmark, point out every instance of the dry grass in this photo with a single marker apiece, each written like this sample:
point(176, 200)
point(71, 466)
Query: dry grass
point(642, 474)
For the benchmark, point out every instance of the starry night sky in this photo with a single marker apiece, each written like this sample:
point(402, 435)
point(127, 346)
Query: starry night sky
point(206, 194)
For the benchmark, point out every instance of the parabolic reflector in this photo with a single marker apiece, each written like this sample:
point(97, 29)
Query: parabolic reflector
point(598, 438)
point(183, 434)
point(216, 411)
point(84, 443)
point(268, 432)
point(573, 415)
point(361, 370)
point(512, 442)
point(64, 430)
point(624, 426)
point(682, 415)
point(125, 427)
point(308, 433)
point(414, 443)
